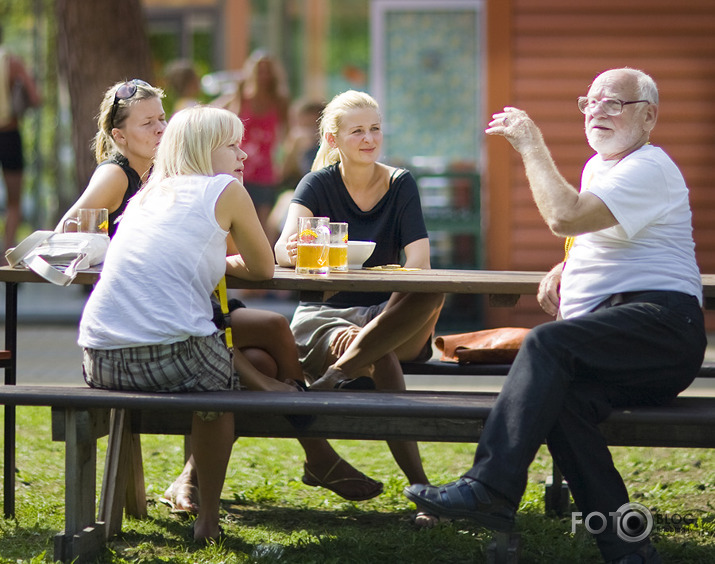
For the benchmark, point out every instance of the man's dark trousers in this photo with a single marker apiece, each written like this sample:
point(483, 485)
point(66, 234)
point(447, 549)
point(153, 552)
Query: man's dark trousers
point(566, 379)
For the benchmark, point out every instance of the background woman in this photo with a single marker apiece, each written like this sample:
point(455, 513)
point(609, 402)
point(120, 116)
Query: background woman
point(262, 101)
point(354, 335)
point(130, 124)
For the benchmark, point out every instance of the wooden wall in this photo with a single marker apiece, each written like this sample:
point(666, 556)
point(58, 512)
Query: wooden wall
point(542, 55)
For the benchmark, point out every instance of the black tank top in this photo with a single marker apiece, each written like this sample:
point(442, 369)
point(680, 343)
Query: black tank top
point(134, 183)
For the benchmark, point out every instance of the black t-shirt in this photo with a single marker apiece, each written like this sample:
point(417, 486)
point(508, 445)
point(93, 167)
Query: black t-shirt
point(393, 223)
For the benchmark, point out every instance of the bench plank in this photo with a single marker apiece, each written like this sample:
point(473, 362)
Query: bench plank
point(406, 404)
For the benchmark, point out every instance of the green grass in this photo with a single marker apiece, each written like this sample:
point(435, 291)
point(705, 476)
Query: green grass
point(270, 516)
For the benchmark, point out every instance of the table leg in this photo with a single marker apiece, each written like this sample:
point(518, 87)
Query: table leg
point(10, 366)
point(84, 537)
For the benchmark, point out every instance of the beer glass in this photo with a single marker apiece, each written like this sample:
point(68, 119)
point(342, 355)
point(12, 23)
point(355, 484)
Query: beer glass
point(338, 256)
point(313, 246)
point(90, 220)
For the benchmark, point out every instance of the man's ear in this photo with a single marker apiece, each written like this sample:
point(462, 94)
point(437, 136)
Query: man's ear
point(651, 117)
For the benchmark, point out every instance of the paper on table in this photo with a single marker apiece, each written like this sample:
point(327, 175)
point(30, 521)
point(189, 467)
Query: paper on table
point(390, 268)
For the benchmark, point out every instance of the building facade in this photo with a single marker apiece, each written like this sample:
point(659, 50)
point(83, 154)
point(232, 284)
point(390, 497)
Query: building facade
point(538, 55)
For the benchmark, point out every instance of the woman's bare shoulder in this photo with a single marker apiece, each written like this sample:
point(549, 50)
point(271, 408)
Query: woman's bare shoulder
point(392, 173)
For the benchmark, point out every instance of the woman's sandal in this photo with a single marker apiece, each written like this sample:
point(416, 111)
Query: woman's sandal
point(178, 494)
point(310, 479)
point(360, 383)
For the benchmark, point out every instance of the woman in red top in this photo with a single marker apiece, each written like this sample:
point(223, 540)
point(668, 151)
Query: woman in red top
point(262, 101)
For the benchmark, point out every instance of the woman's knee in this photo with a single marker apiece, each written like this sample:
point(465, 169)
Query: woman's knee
point(261, 327)
point(261, 361)
point(279, 326)
point(388, 373)
point(431, 303)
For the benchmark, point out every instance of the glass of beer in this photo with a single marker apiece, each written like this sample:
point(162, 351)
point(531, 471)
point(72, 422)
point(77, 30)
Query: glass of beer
point(90, 220)
point(313, 246)
point(338, 256)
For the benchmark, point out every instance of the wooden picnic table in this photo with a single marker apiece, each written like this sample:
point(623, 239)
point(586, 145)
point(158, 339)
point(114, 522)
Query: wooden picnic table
point(502, 287)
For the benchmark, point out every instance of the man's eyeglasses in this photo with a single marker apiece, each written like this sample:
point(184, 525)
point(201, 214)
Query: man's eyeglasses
point(124, 92)
point(610, 106)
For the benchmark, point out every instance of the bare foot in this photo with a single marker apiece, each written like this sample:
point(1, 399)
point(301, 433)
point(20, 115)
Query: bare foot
point(183, 495)
point(329, 380)
point(424, 520)
point(335, 378)
point(207, 531)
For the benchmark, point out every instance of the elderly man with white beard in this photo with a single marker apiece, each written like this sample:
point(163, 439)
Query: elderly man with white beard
point(629, 328)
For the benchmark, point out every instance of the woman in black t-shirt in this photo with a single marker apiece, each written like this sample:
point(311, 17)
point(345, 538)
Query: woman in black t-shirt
point(357, 340)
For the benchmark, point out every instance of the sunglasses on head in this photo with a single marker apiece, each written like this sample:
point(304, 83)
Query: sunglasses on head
point(124, 92)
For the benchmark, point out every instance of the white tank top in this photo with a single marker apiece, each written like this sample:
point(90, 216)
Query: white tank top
point(165, 259)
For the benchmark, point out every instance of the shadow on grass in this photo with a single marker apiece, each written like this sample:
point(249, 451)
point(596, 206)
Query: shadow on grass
point(269, 533)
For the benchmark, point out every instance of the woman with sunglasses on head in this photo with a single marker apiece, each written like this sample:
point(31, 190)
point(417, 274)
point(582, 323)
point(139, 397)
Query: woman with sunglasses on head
point(130, 123)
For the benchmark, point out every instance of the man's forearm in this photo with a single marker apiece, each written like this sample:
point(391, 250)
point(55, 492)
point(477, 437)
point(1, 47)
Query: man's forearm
point(553, 195)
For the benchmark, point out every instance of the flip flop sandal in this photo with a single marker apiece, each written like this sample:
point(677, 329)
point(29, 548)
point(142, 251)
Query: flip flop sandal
point(310, 479)
point(304, 421)
point(186, 491)
point(334, 382)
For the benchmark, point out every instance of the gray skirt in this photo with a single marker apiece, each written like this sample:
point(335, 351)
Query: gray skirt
point(314, 326)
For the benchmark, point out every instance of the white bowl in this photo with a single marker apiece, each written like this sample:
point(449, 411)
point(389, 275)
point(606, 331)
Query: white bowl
point(359, 252)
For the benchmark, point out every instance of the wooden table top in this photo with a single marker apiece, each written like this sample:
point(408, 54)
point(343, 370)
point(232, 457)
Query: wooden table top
point(505, 283)
point(435, 280)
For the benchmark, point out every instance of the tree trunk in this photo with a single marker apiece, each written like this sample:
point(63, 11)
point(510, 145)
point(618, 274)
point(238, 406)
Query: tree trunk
point(100, 42)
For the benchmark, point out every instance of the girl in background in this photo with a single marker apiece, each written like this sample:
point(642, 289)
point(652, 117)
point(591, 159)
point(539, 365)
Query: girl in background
point(262, 101)
point(130, 124)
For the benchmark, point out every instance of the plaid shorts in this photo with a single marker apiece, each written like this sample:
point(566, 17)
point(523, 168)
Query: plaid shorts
point(198, 364)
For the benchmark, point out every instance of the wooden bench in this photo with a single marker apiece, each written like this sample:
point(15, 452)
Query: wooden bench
point(556, 494)
point(81, 415)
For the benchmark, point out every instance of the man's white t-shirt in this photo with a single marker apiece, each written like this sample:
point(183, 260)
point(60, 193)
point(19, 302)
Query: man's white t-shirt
point(652, 246)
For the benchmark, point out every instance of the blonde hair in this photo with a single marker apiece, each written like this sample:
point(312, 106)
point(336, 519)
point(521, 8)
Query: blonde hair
point(103, 143)
point(188, 141)
point(331, 120)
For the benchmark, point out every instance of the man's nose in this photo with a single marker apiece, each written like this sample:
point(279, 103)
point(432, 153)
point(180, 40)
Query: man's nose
point(598, 110)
